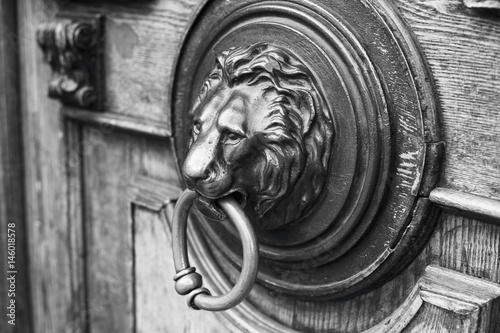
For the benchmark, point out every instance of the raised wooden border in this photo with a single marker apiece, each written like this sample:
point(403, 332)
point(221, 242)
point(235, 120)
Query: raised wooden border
point(482, 4)
point(110, 121)
point(467, 204)
point(474, 298)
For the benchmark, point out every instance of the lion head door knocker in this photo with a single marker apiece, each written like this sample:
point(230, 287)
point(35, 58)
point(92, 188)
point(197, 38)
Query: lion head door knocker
point(262, 133)
point(261, 139)
point(304, 146)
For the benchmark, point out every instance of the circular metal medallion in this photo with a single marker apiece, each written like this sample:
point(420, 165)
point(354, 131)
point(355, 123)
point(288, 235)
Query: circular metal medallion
point(372, 216)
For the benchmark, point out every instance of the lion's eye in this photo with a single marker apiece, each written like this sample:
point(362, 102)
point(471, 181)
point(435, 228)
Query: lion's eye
point(196, 129)
point(232, 137)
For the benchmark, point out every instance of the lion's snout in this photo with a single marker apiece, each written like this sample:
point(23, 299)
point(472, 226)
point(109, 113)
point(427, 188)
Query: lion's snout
point(197, 167)
point(204, 174)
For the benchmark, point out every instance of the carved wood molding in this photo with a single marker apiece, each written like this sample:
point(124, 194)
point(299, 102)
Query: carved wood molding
point(475, 299)
point(467, 204)
point(482, 4)
point(72, 46)
point(109, 121)
point(152, 194)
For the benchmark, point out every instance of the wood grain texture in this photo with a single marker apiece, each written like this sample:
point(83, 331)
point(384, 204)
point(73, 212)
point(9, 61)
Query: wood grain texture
point(55, 270)
point(463, 49)
point(153, 194)
point(479, 257)
point(141, 42)
point(76, 228)
point(12, 204)
point(159, 308)
point(438, 321)
point(111, 161)
point(110, 121)
point(474, 299)
point(444, 300)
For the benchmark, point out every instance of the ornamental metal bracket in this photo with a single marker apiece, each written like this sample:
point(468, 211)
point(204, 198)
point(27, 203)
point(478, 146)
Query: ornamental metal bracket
point(72, 46)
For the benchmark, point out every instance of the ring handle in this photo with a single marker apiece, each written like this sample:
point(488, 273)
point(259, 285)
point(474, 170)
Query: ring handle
point(187, 281)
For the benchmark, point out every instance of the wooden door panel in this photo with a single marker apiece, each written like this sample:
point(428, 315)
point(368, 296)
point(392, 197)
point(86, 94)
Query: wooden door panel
point(108, 165)
point(141, 42)
point(110, 161)
point(158, 307)
point(96, 183)
point(425, 298)
point(462, 47)
point(55, 279)
point(12, 202)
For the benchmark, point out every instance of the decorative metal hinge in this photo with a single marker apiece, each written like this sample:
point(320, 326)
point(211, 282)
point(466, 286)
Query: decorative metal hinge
point(73, 48)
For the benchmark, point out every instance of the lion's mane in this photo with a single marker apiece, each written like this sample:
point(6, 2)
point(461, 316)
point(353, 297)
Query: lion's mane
point(295, 147)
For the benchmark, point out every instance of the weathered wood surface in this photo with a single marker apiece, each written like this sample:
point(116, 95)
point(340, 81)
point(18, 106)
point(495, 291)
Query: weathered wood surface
point(55, 262)
point(474, 302)
point(11, 174)
point(141, 42)
point(462, 203)
point(111, 162)
point(482, 4)
point(443, 301)
point(472, 295)
point(462, 48)
point(72, 169)
point(159, 308)
point(477, 255)
point(110, 121)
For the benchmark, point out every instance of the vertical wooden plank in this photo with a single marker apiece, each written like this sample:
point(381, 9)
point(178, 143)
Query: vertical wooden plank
point(11, 181)
point(55, 273)
point(76, 230)
point(468, 246)
point(159, 308)
point(107, 171)
point(112, 159)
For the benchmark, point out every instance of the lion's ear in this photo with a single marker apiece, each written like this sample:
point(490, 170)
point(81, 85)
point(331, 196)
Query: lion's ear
point(307, 110)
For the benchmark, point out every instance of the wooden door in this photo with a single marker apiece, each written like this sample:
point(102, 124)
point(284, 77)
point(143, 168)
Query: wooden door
point(100, 187)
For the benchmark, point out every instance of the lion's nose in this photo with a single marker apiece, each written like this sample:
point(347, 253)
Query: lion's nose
point(197, 165)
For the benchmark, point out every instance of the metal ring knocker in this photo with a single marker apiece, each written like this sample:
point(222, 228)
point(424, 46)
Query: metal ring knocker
point(187, 281)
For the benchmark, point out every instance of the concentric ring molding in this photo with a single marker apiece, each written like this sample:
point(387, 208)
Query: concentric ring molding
point(373, 216)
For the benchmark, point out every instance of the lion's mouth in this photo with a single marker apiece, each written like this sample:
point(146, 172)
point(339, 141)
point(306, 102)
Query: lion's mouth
point(211, 209)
